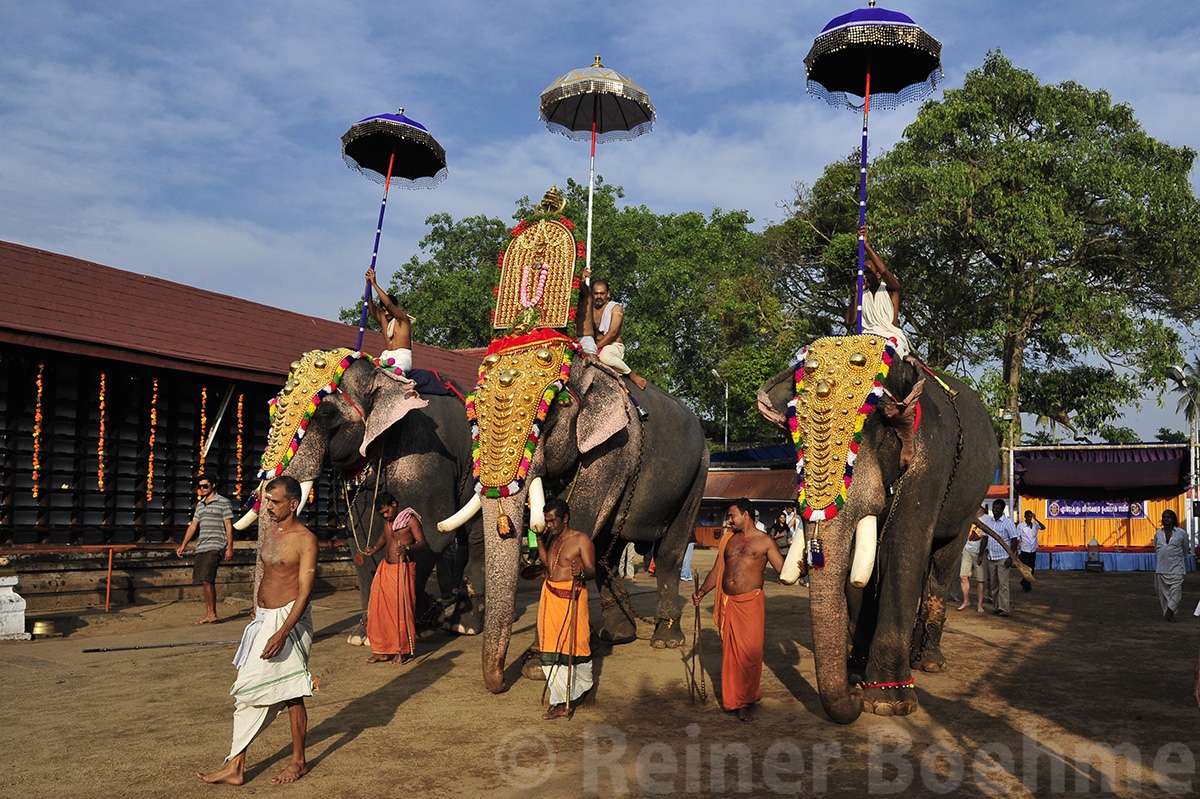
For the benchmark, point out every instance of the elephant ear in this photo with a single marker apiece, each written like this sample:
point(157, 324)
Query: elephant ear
point(603, 409)
point(774, 396)
point(389, 397)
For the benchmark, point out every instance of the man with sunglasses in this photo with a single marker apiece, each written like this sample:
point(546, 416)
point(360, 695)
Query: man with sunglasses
point(213, 520)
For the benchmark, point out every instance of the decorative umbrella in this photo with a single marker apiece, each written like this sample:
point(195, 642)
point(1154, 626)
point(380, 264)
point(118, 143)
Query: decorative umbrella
point(387, 147)
point(600, 104)
point(867, 43)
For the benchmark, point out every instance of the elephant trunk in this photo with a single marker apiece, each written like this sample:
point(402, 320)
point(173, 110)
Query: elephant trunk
point(830, 628)
point(502, 558)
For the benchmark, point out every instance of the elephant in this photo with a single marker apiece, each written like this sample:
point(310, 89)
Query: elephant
point(626, 476)
point(366, 422)
point(892, 536)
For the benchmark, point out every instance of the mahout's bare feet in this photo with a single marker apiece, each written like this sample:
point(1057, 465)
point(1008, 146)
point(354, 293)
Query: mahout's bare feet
point(293, 772)
point(743, 714)
point(556, 712)
point(963, 606)
point(587, 698)
point(230, 775)
point(381, 658)
point(208, 620)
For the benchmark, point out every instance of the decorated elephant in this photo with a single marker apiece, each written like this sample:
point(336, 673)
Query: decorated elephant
point(545, 417)
point(893, 462)
point(338, 409)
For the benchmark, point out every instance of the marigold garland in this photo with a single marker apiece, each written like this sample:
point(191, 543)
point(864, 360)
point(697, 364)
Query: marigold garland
point(150, 457)
point(203, 422)
point(37, 430)
point(100, 443)
point(240, 430)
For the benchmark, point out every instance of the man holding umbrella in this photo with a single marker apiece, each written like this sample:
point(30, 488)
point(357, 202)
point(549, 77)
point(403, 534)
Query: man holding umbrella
point(395, 324)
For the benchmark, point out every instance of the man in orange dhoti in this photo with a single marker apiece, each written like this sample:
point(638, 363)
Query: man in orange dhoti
point(564, 629)
point(737, 578)
point(390, 613)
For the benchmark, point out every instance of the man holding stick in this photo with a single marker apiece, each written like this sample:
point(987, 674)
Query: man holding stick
point(272, 660)
point(738, 606)
point(564, 630)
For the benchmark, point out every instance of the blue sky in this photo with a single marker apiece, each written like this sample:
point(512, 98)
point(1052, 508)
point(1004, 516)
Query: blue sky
point(200, 142)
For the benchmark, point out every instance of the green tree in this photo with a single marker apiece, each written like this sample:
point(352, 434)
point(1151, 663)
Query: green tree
point(1169, 436)
point(1189, 388)
point(1119, 435)
point(1074, 232)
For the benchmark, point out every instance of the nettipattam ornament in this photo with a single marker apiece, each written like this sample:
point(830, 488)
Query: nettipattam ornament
point(315, 376)
point(839, 381)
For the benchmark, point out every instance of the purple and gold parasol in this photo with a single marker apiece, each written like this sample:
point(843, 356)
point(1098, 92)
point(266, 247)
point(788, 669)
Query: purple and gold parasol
point(600, 104)
point(878, 55)
point(387, 148)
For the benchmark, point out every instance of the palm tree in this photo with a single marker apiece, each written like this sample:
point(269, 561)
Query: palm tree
point(1187, 383)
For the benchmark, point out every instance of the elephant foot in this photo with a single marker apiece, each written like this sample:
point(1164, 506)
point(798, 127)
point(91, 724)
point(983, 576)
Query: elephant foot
point(890, 701)
point(609, 637)
point(932, 661)
point(357, 636)
point(667, 635)
point(531, 665)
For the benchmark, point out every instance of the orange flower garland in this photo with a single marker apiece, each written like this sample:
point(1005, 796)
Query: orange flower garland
point(203, 422)
point(238, 487)
point(100, 443)
point(150, 458)
point(37, 431)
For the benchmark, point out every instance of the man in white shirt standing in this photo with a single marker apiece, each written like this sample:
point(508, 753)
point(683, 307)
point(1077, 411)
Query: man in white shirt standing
point(1170, 556)
point(999, 564)
point(1027, 534)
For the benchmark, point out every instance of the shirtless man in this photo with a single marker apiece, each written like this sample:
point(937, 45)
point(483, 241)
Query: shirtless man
point(598, 325)
point(564, 628)
point(272, 660)
point(391, 625)
point(395, 324)
point(737, 577)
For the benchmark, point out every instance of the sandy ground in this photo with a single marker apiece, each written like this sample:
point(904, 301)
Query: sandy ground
point(1084, 689)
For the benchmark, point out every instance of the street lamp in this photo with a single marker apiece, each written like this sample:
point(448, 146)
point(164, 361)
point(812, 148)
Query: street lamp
point(1177, 375)
point(717, 375)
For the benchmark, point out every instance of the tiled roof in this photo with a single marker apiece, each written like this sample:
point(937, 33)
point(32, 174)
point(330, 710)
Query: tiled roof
point(66, 304)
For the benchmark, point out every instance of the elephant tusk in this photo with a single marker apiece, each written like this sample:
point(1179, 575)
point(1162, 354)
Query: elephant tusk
point(244, 523)
point(463, 516)
point(864, 551)
point(790, 573)
point(305, 490)
point(537, 505)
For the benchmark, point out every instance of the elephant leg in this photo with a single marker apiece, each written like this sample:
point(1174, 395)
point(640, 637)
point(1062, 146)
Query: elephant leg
point(466, 618)
point(366, 573)
point(926, 648)
point(616, 607)
point(903, 572)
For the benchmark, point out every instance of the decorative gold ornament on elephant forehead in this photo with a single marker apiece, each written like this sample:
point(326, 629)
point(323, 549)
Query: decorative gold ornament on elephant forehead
point(507, 404)
point(311, 378)
point(837, 386)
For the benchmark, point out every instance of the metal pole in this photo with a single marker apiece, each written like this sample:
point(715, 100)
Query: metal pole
point(727, 417)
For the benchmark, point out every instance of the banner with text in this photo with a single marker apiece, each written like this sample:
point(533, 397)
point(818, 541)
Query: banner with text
point(1109, 509)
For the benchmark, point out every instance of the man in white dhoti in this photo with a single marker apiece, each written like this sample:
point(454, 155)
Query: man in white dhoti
point(272, 659)
point(598, 325)
point(1170, 551)
point(880, 301)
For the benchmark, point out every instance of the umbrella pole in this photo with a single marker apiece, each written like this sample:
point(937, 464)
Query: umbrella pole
point(362, 322)
point(862, 200)
point(591, 183)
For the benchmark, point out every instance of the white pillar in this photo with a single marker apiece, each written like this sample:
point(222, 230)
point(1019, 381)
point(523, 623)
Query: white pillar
point(12, 611)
